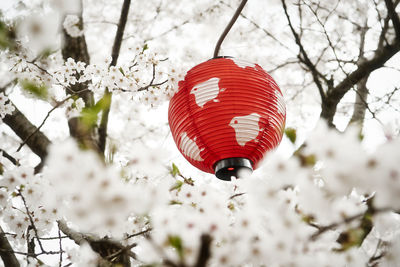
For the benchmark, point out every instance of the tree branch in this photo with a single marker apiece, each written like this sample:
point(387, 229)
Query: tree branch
point(384, 28)
point(76, 48)
point(144, 232)
point(323, 229)
point(120, 32)
point(394, 17)
point(322, 24)
point(38, 142)
point(361, 104)
point(204, 252)
point(108, 249)
point(9, 157)
point(6, 251)
point(115, 53)
point(335, 94)
point(32, 225)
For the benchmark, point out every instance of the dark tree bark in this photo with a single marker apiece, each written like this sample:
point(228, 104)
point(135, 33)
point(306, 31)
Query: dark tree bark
point(332, 94)
point(335, 94)
point(360, 104)
point(114, 54)
point(204, 251)
point(22, 127)
point(6, 251)
point(112, 251)
point(76, 48)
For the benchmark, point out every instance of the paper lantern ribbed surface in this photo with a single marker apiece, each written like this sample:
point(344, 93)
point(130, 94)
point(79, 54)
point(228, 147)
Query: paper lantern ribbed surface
point(226, 108)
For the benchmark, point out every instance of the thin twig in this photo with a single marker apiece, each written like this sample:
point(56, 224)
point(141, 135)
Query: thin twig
point(236, 195)
point(322, 24)
point(61, 250)
point(323, 229)
point(272, 36)
point(164, 33)
point(9, 157)
point(178, 25)
point(6, 253)
point(28, 213)
point(139, 233)
point(303, 57)
point(123, 250)
point(34, 255)
point(152, 80)
point(47, 116)
point(53, 238)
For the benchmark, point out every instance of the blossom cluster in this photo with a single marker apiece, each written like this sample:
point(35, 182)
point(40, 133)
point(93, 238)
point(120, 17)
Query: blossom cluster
point(71, 26)
point(144, 76)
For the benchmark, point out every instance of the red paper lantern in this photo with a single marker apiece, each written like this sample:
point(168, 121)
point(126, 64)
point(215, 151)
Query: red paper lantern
point(226, 115)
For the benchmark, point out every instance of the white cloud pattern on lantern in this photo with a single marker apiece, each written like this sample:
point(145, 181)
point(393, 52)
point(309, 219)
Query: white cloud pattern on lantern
point(246, 127)
point(243, 64)
point(206, 91)
point(189, 147)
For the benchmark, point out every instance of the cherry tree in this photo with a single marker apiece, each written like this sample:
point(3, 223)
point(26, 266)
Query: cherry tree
point(88, 174)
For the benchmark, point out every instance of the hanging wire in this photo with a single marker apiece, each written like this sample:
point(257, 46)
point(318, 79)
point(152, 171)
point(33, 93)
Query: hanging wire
point(228, 27)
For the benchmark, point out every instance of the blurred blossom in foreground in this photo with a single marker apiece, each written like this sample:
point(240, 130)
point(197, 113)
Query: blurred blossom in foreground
point(38, 31)
point(67, 6)
point(273, 217)
point(93, 196)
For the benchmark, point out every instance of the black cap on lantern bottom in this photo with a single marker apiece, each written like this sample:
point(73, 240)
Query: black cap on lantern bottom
point(226, 168)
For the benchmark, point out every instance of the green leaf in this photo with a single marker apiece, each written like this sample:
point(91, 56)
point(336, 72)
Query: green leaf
point(291, 134)
point(39, 90)
point(175, 171)
point(104, 102)
point(7, 36)
point(177, 186)
point(175, 202)
point(354, 237)
point(90, 114)
point(176, 242)
point(121, 70)
point(145, 47)
point(351, 238)
point(189, 181)
point(1, 169)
